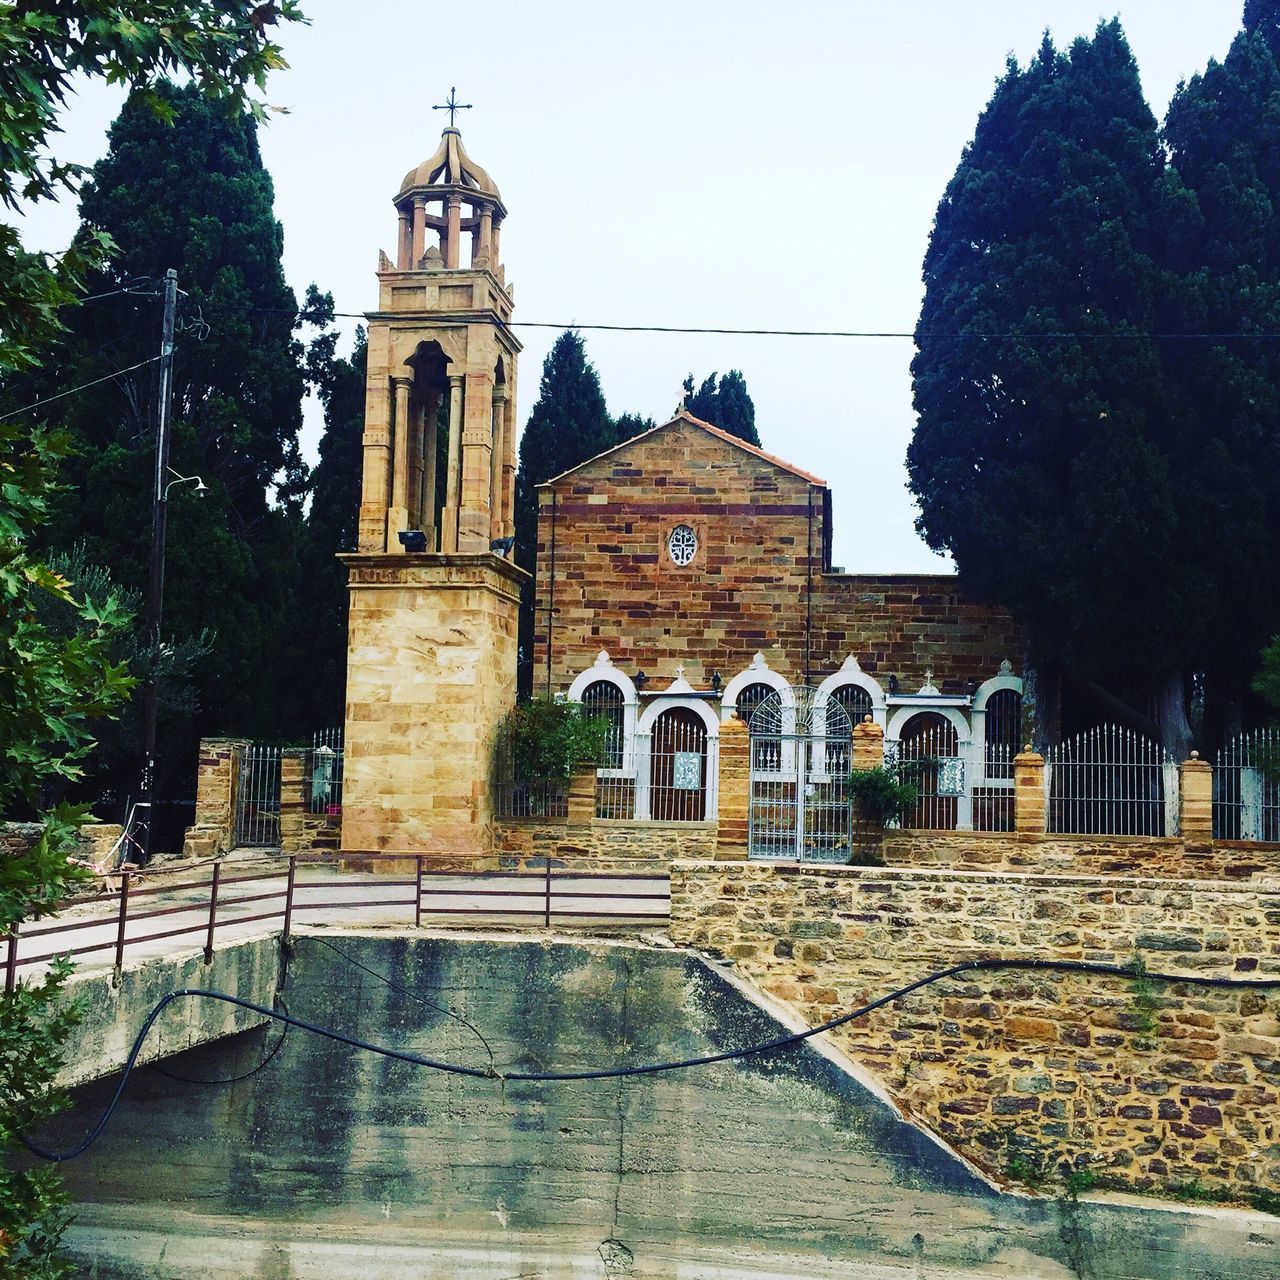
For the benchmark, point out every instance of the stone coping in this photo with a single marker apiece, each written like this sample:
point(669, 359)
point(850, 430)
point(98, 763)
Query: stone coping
point(613, 824)
point(1262, 886)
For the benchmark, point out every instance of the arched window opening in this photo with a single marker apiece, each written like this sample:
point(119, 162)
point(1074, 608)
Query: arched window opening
point(764, 755)
point(1004, 732)
point(604, 698)
point(678, 767)
point(928, 757)
point(857, 703)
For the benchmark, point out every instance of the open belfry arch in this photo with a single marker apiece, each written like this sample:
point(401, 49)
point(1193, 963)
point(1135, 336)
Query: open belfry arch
point(431, 653)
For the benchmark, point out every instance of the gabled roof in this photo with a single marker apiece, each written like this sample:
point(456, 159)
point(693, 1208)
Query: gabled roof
point(685, 416)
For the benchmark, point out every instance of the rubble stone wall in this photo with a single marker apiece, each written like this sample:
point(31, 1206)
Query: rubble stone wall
point(1151, 1085)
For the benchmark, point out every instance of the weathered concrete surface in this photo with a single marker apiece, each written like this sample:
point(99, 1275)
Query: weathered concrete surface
point(115, 1009)
point(778, 1165)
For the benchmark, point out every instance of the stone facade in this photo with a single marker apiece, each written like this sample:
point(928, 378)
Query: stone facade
point(1149, 1085)
point(217, 776)
point(601, 845)
point(430, 673)
point(759, 581)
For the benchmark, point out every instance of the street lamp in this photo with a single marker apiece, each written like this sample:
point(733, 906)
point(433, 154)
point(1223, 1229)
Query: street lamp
point(201, 488)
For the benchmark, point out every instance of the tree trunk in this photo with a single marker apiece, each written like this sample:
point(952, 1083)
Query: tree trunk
point(1171, 715)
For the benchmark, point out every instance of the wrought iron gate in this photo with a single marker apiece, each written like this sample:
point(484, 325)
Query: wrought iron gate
point(258, 797)
point(800, 745)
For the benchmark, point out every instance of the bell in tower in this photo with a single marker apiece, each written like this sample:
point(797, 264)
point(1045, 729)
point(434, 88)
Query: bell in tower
point(434, 595)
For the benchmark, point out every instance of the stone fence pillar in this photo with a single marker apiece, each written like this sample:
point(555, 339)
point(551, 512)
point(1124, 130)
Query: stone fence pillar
point(217, 777)
point(1195, 779)
point(735, 790)
point(293, 798)
point(582, 796)
point(868, 745)
point(1028, 793)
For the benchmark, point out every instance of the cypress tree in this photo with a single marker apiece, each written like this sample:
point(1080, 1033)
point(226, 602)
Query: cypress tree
point(186, 188)
point(569, 424)
point(1040, 457)
point(1223, 134)
point(726, 405)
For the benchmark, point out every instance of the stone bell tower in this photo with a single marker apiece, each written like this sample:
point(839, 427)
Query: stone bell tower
point(431, 645)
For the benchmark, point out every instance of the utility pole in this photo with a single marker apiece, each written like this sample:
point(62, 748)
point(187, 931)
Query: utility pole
point(155, 578)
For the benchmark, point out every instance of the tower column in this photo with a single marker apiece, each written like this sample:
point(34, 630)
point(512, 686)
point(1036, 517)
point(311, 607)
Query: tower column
point(484, 245)
point(398, 515)
point(377, 462)
point(419, 231)
point(508, 490)
point(430, 447)
point(495, 462)
point(453, 234)
point(404, 248)
point(449, 517)
point(477, 446)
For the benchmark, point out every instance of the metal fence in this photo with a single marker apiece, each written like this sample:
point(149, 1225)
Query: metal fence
point(199, 908)
point(1111, 781)
point(615, 794)
point(799, 806)
point(515, 797)
point(928, 756)
point(258, 797)
point(681, 767)
point(993, 794)
point(1246, 787)
point(324, 773)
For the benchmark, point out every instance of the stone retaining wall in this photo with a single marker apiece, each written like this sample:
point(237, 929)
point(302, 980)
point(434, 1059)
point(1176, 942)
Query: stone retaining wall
point(1171, 858)
point(1155, 1087)
point(603, 845)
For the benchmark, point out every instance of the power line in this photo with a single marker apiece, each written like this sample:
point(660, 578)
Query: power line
point(1048, 336)
point(84, 386)
point(1129, 972)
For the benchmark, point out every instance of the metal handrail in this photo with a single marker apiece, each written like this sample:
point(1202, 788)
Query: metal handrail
point(539, 884)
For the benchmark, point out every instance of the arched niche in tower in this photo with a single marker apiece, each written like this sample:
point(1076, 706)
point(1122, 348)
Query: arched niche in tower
point(429, 439)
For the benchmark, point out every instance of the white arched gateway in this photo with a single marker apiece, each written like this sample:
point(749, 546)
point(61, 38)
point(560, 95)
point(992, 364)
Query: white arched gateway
point(677, 757)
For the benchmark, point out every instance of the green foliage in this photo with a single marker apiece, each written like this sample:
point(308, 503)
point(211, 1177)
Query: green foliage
point(1081, 469)
point(1267, 681)
point(881, 795)
point(631, 424)
point(726, 405)
point(189, 190)
point(545, 740)
point(53, 682)
point(331, 527)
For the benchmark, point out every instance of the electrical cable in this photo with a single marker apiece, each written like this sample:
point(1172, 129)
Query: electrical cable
point(610, 1073)
point(246, 1075)
point(84, 386)
point(1065, 336)
point(404, 991)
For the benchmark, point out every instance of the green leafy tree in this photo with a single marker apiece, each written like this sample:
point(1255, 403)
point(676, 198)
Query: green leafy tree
point(1046, 456)
point(52, 686)
point(569, 424)
point(726, 404)
point(186, 188)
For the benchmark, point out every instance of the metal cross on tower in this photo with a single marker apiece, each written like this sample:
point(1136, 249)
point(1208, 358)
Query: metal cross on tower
point(453, 105)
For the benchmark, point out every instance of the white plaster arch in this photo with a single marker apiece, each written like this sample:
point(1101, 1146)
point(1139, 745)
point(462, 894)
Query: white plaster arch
point(660, 704)
point(759, 672)
point(643, 743)
point(900, 718)
point(1005, 680)
point(603, 669)
point(851, 672)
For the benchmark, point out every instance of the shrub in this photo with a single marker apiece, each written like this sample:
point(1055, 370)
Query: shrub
point(545, 740)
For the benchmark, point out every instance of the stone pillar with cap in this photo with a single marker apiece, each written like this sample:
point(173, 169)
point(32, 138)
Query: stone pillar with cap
point(1028, 793)
point(1196, 782)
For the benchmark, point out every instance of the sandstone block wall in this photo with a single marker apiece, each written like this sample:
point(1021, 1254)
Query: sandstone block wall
point(602, 845)
point(430, 673)
point(762, 552)
point(1166, 858)
point(1153, 1086)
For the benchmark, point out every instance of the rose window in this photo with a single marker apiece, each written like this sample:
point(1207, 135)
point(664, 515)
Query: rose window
point(682, 544)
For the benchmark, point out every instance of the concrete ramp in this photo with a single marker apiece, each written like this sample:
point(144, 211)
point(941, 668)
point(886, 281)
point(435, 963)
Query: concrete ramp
point(780, 1165)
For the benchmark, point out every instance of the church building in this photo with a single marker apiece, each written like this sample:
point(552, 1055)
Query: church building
point(683, 577)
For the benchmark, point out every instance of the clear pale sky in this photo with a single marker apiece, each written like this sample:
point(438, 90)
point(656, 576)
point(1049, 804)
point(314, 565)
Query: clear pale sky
point(699, 163)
